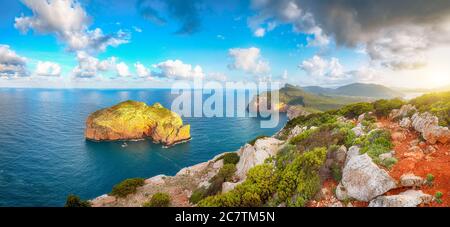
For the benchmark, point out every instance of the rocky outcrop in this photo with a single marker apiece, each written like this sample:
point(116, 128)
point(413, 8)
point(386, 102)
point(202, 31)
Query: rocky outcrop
point(296, 111)
point(251, 156)
point(297, 130)
point(410, 198)
point(428, 126)
point(410, 180)
point(133, 120)
point(404, 111)
point(179, 187)
point(363, 180)
point(405, 122)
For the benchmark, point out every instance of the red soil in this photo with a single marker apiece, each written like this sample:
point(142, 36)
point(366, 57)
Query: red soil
point(436, 163)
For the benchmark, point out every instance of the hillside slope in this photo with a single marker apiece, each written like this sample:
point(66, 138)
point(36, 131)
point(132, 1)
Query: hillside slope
point(357, 89)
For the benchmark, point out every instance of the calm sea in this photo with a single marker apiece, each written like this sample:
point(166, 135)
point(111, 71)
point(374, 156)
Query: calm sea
point(44, 156)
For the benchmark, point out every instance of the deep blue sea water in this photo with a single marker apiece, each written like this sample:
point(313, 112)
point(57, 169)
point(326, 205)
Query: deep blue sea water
point(44, 155)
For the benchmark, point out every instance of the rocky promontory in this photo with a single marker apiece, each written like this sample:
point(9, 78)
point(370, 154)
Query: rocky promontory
point(131, 120)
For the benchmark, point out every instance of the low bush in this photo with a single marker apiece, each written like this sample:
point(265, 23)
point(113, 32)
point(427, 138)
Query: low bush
point(299, 180)
point(158, 200)
point(75, 201)
point(230, 158)
point(314, 119)
point(438, 197)
point(197, 195)
point(227, 172)
point(336, 172)
point(429, 179)
point(257, 188)
point(127, 187)
point(376, 143)
point(356, 109)
point(389, 162)
point(384, 107)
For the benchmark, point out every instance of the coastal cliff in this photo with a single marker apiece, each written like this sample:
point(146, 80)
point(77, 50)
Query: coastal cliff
point(131, 120)
point(387, 153)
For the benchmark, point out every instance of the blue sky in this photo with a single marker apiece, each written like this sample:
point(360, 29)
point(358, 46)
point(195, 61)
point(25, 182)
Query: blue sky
point(276, 40)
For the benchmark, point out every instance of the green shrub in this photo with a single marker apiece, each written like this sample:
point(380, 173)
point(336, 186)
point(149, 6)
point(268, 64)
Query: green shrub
point(255, 190)
point(75, 201)
point(438, 197)
point(227, 172)
point(384, 107)
point(314, 119)
point(230, 158)
point(197, 195)
point(389, 162)
point(158, 200)
point(127, 187)
point(253, 141)
point(376, 143)
point(429, 180)
point(299, 180)
point(324, 136)
point(356, 109)
point(336, 172)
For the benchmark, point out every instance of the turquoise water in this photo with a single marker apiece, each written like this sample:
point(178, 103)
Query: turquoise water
point(44, 156)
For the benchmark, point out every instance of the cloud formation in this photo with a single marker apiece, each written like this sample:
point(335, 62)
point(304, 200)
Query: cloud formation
point(322, 68)
point(89, 67)
point(49, 69)
point(185, 12)
point(11, 64)
point(176, 69)
point(69, 22)
point(141, 70)
point(248, 60)
point(411, 25)
point(123, 70)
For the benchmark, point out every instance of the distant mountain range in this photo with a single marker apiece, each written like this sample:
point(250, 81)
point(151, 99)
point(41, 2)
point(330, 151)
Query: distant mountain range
point(357, 89)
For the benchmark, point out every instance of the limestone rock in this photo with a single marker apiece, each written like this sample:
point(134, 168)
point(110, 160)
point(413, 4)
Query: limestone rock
point(341, 154)
point(251, 156)
point(296, 131)
point(364, 180)
point(228, 186)
point(358, 130)
point(428, 126)
point(405, 122)
point(410, 198)
point(411, 180)
point(385, 156)
point(404, 111)
point(341, 192)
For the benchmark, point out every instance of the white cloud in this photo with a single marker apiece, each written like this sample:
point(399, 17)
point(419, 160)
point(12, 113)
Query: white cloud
point(69, 22)
point(11, 64)
point(259, 32)
point(123, 70)
point(323, 68)
point(141, 70)
point(176, 69)
point(89, 67)
point(47, 68)
point(248, 60)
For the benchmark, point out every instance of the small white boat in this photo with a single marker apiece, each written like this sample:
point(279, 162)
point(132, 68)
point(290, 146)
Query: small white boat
point(125, 145)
